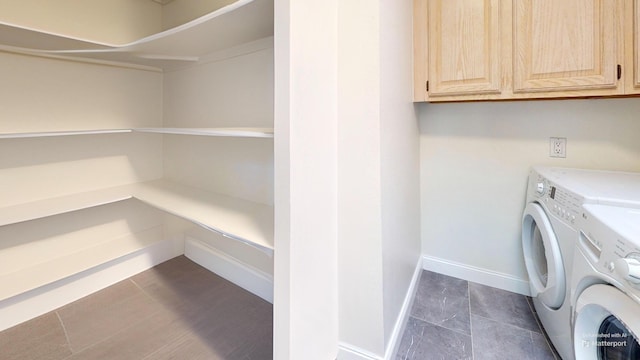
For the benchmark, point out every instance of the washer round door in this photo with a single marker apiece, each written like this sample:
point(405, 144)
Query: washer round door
point(542, 257)
point(607, 325)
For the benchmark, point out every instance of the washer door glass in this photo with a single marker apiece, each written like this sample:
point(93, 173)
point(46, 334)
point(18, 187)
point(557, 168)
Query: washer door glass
point(542, 257)
point(538, 257)
point(607, 325)
point(617, 342)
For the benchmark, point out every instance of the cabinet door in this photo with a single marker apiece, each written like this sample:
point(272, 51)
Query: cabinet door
point(566, 45)
point(632, 47)
point(464, 47)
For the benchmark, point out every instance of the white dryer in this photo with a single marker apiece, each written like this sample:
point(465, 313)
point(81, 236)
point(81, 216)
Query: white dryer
point(550, 228)
point(606, 284)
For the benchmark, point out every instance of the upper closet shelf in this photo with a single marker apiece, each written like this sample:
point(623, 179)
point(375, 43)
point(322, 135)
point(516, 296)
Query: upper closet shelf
point(238, 23)
point(238, 219)
point(61, 133)
point(232, 132)
point(236, 132)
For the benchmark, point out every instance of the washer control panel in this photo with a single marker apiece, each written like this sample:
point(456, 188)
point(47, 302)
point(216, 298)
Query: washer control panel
point(559, 201)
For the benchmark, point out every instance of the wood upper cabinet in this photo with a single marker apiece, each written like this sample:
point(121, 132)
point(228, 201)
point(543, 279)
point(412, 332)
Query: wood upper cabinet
point(464, 44)
point(632, 47)
point(460, 42)
point(523, 49)
point(568, 45)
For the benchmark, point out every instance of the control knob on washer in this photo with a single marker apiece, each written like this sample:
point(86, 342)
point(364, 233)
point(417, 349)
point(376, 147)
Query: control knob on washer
point(540, 188)
point(629, 267)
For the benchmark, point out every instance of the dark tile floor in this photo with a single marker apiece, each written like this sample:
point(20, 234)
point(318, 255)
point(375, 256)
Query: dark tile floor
point(456, 319)
point(179, 310)
point(176, 310)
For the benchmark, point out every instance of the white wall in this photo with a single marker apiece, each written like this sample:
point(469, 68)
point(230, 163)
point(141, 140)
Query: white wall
point(359, 183)
point(232, 88)
point(475, 159)
point(235, 91)
point(400, 172)
point(305, 270)
point(378, 176)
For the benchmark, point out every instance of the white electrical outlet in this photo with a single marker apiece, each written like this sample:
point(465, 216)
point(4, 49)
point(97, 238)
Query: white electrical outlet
point(558, 147)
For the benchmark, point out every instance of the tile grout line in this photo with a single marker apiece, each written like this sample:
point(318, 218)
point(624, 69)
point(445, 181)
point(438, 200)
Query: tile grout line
point(440, 326)
point(505, 324)
point(144, 292)
point(122, 329)
point(64, 329)
point(473, 348)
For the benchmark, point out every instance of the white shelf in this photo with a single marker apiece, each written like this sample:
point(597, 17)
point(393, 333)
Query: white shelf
point(63, 204)
point(235, 132)
point(57, 268)
point(230, 132)
point(242, 220)
point(240, 22)
point(61, 133)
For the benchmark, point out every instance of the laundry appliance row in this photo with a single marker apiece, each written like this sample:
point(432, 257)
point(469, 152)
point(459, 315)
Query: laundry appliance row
point(581, 246)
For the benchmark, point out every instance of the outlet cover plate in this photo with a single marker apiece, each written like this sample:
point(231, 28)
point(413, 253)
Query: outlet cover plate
point(558, 147)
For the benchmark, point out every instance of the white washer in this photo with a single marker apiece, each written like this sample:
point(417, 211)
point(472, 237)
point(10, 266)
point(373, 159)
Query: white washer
point(606, 284)
point(550, 227)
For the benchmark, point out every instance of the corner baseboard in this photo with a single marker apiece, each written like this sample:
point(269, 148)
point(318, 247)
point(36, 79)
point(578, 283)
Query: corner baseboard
point(44, 299)
point(349, 352)
point(475, 274)
point(248, 278)
point(403, 317)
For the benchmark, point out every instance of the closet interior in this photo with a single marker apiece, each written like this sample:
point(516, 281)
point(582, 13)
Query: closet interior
point(131, 133)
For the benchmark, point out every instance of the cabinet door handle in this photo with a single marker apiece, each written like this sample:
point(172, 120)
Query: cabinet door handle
point(619, 71)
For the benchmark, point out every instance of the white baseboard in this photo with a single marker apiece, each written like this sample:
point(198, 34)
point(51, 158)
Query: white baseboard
point(476, 274)
point(44, 299)
point(243, 275)
point(403, 317)
point(350, 352)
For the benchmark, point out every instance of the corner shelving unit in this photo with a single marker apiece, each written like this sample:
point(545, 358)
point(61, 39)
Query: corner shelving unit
point(242, 220)
point(237, 219)
point(248, 222)
point(240, 22)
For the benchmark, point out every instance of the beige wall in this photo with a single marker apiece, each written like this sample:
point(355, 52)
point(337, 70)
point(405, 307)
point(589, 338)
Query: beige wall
point(179, 12)
point(112, 21)
point(475, 158)
point(40, 95)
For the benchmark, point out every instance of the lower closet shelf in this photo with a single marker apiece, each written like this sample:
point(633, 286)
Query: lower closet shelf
point(242, 220)
point(238, 219)
point(37, 275)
